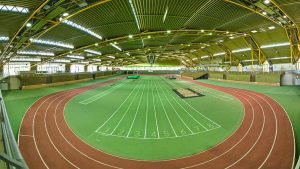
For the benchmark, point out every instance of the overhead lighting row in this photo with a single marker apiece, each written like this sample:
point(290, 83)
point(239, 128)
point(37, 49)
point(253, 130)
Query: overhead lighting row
point(52, 43)
point(75, 25)
point(25, 59)
point(38, 53)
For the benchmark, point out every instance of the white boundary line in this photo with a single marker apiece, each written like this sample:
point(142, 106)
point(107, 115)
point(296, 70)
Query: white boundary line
point(45, 125)
point(137, 110)
point(187, 111)
point(165, 110)
point(128, 108)
point(146, 122)
point(114, 112)
point(176, 111)
point(101, 94)
point(155, 113)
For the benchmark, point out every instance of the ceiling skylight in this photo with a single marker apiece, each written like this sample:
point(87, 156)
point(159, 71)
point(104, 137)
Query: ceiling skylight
point(10, 8)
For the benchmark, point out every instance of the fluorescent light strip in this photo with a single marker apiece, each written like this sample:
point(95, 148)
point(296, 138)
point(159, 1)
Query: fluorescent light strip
point(93, 52)
point(39, 53)
point(279, 58)
point(165, 15)
point(203, 57)
point(254, 60)
point(195, 59)
point(128, 54)
point(75, 57)
point(52, 43)
point(112, 57)
point(74, 25)
point(61, 61)
point(4, 38)
point(135, 15)
point(219, 54)
point(11, 8)
point(241, 50)
point(115, 46)
point(275, 45)
point(97, 60)
point(21, 59)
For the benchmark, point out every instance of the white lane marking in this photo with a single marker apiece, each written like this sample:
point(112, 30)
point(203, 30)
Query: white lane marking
point(114, 112)
point(127, 110)
point(187, 111)
point(245, 134)
point(45, 125)
point(155, 113)
point(72, 144)
point(146, 122)
point(165, 110)
point(137, 110)
point(101, 94)
point(176, 111)
point(200, 113)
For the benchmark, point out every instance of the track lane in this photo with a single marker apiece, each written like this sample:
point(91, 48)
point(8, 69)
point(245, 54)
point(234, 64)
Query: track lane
point(89, 155)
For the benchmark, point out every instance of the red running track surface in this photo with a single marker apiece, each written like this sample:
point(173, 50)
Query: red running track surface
point(264, 139)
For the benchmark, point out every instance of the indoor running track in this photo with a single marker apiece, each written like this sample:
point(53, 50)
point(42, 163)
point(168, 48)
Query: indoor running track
point(264, 139)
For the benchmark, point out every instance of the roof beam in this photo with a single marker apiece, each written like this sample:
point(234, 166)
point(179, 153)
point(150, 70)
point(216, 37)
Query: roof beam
point(294, 38)
point(22, 27)
point(156, 34)
point(233, 60)
point(255, 49)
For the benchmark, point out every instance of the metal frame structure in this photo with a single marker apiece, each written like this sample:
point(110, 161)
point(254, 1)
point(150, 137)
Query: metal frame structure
point(12, 155)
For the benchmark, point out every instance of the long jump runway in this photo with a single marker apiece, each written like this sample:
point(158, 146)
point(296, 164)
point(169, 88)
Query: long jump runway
point(264, 139)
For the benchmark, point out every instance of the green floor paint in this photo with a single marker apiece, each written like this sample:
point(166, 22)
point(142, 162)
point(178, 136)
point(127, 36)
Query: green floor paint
point(18, 101)
point(287, 96)
point(144, 119)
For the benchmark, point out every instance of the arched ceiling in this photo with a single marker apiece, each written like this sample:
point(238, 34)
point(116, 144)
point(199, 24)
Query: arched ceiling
point(185, 32)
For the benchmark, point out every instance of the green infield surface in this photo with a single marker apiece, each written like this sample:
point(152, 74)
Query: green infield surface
point(145, 119)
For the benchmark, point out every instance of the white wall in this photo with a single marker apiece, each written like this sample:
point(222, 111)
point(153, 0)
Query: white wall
point(51, 67)
point(283, 67)
point(92, 68)
point(74, 68)
point(13, 68)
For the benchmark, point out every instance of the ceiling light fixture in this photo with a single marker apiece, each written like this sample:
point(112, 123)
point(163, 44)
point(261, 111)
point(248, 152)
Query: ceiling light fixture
point(115, 46)
point(275, 45)
point(241, 50)
point(74, 25)
point(111, 57)
point(271, 27)
point(93, 52)
point(61, 61)
point(65, 14)
point(266, 1)
point(52, 43)
point(219, 54)
point(254, 31)
point(28, 25)
point(130, 36)
point(75, 57)
point(168, 31)
point(203, 57)
point(97, 60)
point(39, 53)
point(24, 59)
point(135, 15)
